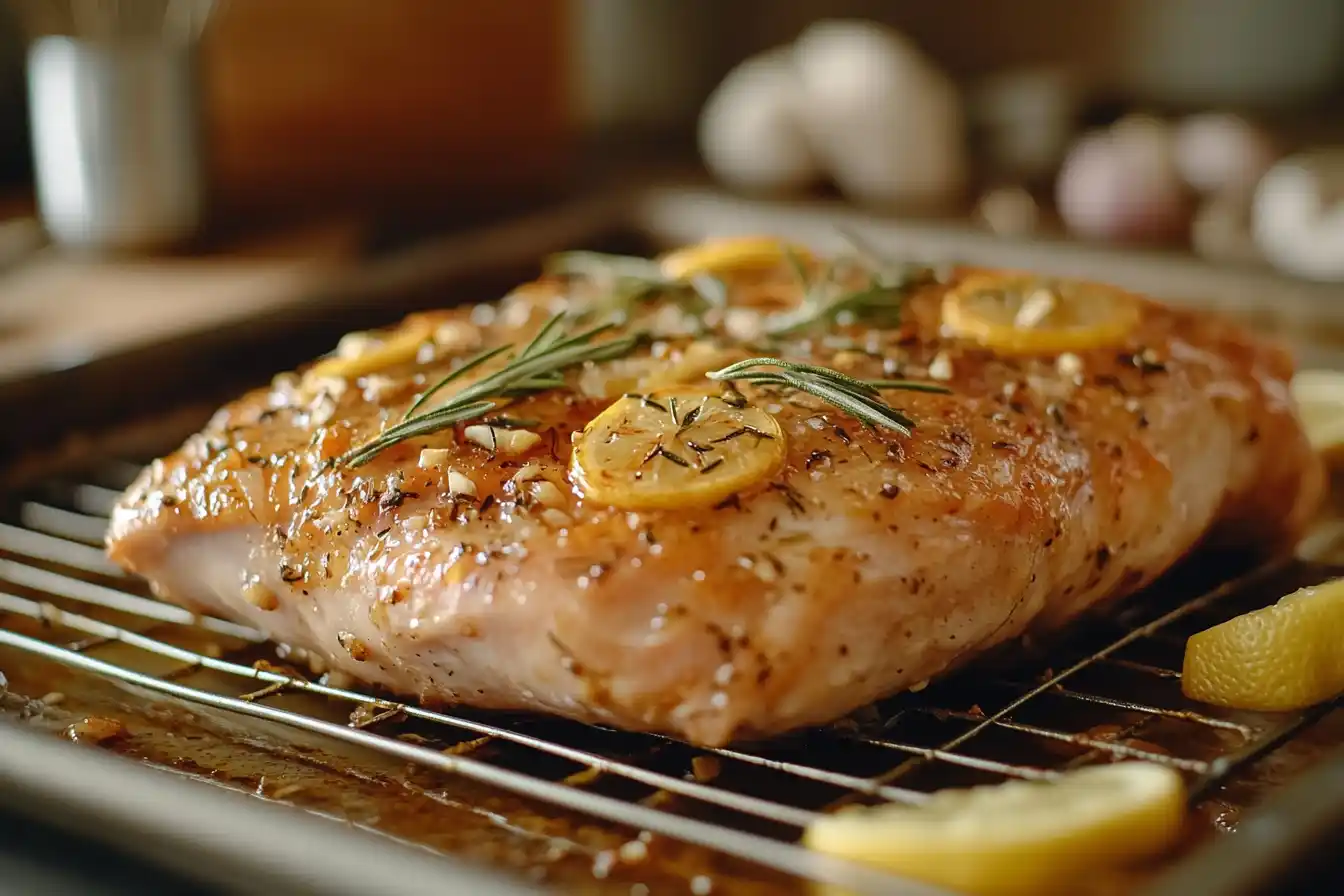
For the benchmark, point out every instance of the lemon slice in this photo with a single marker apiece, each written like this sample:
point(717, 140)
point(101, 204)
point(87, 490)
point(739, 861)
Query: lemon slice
point(675, 448)
point(1029, 314)
point(1019, 837)
point(1280, 658)
point(733, 254)
point(1319, 395)
point(363, 353)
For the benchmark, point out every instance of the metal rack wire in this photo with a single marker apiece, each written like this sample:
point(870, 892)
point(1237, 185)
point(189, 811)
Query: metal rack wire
point(1116, 696)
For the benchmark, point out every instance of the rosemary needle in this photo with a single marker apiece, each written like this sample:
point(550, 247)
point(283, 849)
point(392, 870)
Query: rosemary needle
point(540, 366)
point(859, 398)
point(879, 303)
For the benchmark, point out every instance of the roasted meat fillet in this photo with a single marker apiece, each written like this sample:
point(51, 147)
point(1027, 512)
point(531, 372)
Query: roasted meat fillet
point(614, 536)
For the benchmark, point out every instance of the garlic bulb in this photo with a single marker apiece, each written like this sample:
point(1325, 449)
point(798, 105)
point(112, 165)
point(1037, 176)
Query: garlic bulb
point(1122, 184)
point(887, 125)
point(751, 132)
point(1297, 218)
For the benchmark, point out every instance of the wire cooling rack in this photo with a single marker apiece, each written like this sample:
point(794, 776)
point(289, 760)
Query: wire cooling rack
point(1113, 693)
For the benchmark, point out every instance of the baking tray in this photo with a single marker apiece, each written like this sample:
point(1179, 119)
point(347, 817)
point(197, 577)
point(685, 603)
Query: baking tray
point(548, 801)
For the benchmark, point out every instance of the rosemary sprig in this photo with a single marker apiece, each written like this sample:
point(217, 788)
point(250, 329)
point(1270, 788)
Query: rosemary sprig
point(860, 399)
point(878, 304)
point(630, 280)
point(539, 367)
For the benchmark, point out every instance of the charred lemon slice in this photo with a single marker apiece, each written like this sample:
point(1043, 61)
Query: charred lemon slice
point(363, 353)
point(1283, 657)
point(1029, 314)
point(1320, 402)
point(675, 448)
point(1019, 837)
point(733, 254)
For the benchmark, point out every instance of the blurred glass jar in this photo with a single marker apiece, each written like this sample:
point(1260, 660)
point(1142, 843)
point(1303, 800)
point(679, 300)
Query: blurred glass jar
point(115, 114)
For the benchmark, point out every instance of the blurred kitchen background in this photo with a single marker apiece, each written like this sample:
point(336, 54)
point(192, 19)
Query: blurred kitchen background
point(184, 155)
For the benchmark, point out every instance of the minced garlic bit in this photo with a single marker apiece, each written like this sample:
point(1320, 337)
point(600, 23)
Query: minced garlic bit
point(533, 482)
point(459, 484)
point(358, 650)
point(940, 368)
point(1069, 364)
point(632, 852)
point(352, 345)
point(456, 336)
point(529, 472)
point(435, 458)
point(259, 596)
point(557, 518)
point(1035, 308)
point(332, 386)
point(376, 385)
point(498, 440)
point(546, 493)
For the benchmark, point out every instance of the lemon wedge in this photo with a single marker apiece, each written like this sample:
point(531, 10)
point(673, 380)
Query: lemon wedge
point(1319, 395)
point(1020, 837)
point(1029, 314)
point(1280, 658)
point(732, 254)
point(675, 448)
point(364, 353)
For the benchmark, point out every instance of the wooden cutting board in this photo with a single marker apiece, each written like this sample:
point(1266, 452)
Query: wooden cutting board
point(58, 311)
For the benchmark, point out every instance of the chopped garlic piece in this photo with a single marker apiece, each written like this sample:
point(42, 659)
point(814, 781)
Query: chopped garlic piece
point(530, 472)
point(459, 484)
point(497, 440)
point(358, 650)
point(1069, 364)
point(259, 596)
point(557, 518)
point(352, 345)
point(940, 368)
point(456, 336)
point(434, 458)
point(1035, 308)
point(328, 386)
point(546, 493)
point(376, 385)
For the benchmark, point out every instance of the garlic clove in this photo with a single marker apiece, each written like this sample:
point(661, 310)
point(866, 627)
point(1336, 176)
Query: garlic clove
point(1297, 218)
point(886, 123)
point(750, 133)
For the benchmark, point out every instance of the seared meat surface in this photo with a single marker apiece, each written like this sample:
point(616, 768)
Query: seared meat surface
point(750, 582)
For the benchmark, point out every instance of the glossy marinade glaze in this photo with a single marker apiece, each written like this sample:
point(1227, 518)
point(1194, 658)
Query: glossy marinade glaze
point(473, 566)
